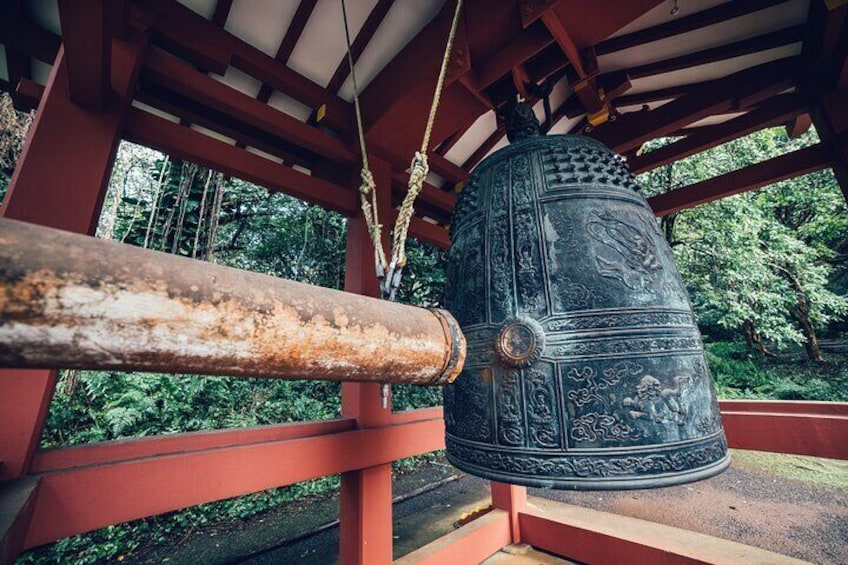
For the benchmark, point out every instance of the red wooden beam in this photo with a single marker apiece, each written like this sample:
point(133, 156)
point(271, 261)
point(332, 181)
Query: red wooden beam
point(293, 33)
point(776, 111)
point(439, 199)
point(785, 407)
point(752, 177)
point(698, 20)
point(778, 38)
point(366, 32)
point(512, 499)
point(658, 95)
point(22, 36)
point(739, 89)
point(17, 500)
point(802, 434)
point(166, 71)
point(222, 12)
point(830, 115)
point(81, 499)
point(178, 25)
point(582, 19)
point(423, 230)
point(590, 536)
point(101, 453)
point(87, 31)
point(799, 125)
point(469, 545)
point(184, 143)
point(191, 112)
point(525, 45)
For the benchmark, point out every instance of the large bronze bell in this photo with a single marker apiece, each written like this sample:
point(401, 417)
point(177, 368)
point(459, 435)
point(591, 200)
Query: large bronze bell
point(585, 367)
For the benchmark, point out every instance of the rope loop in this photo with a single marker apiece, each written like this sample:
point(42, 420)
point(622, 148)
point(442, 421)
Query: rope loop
point(390, 272)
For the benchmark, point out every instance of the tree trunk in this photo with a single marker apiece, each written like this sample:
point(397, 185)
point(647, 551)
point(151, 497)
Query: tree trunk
point(801, 313)
point(753, 338)
point(157, 197)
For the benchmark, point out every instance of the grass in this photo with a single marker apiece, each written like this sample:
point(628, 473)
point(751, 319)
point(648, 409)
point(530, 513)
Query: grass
point(824, 472)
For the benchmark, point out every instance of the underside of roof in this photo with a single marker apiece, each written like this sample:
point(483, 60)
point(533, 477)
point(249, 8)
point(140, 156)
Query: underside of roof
point(271, 79)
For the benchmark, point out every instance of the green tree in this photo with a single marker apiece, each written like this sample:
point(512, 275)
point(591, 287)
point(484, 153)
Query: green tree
point(762, 263)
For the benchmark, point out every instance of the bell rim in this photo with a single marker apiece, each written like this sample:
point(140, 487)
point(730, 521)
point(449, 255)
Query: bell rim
point(630, 483)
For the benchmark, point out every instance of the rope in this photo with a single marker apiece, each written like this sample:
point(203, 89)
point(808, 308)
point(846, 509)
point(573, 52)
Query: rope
point(367, 187)
point(418, 170)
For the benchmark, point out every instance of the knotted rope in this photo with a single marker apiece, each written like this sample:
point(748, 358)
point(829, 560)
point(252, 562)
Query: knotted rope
point(390, 275)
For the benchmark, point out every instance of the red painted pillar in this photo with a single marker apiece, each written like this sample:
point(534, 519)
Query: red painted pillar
point(830, 116)
point(365, 512)
point(512, 499)
point(60, 181)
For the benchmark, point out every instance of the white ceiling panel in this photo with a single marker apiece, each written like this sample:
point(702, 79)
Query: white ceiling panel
point(322, 45)
point(262, 23)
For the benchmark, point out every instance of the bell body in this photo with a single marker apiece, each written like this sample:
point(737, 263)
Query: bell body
point(585, 367)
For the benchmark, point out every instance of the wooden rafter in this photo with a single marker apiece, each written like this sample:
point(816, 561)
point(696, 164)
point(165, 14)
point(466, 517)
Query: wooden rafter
point(222, 12)
point(204, 44)
point(698, 20)
point(752, 177)
point(779, 38)
point(192, 112)
point(170, 73)
point(524, 46)
point(287, 45)
point(369, 28)
point(776, 111)
point(722, 95)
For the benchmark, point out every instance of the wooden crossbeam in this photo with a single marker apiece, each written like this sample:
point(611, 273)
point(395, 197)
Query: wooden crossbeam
point(412, 74)
point(752, 177)
point(658, 95)
point(525, 45)
point(170, 73)
point(740, 89)
point(763, 42)
point(678, 26)
point(776, 111)
point(366, 32)
point(184, 143)
point(192, 112)
point(22, 36)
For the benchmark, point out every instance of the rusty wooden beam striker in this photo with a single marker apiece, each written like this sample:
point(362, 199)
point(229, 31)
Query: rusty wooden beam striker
point(76, 302)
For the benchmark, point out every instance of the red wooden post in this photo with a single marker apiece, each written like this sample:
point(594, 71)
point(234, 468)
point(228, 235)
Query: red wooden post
point(513, 499)
point(365, 513)
point(60, 181)
point(830, 116)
